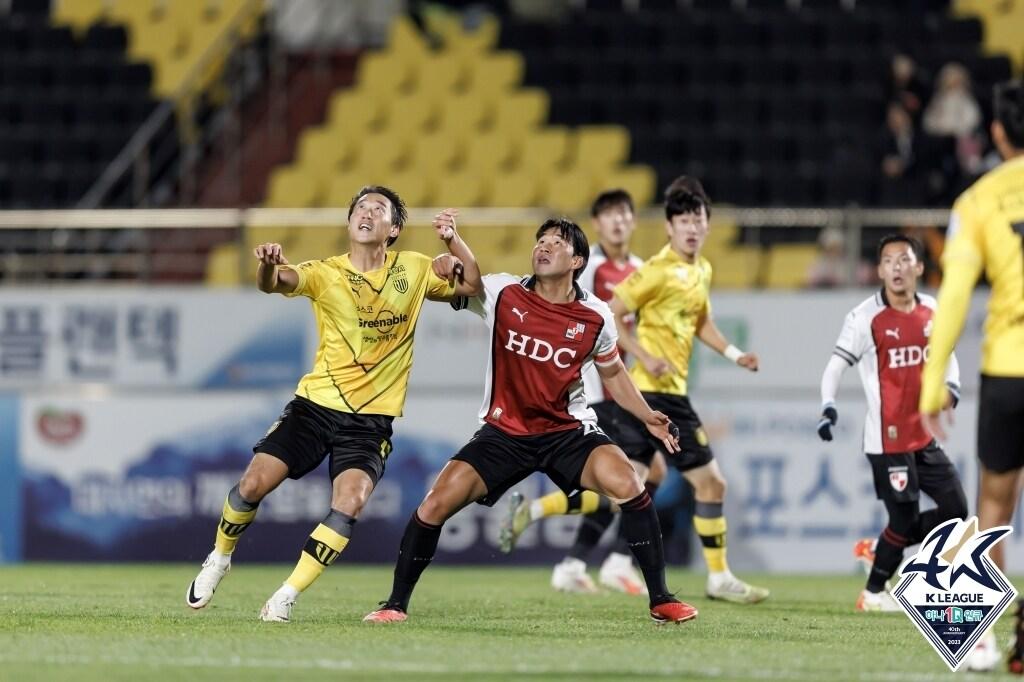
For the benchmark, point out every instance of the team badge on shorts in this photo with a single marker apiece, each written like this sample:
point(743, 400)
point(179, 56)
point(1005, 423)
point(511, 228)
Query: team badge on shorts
point(898, 478)
point(952, 591)
point(701, 435)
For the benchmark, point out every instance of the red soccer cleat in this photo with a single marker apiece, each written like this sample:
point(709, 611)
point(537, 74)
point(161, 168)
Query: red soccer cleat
point(386, 614)
point(673, 612)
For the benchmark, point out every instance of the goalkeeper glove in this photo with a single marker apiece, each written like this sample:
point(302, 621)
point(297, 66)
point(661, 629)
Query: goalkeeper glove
point(829, 417)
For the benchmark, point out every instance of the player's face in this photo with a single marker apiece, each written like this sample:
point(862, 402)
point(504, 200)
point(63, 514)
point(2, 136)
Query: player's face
point(687, 232)
point(370, 222)
point(615, 225)
point(899, 268)
point(553, 256)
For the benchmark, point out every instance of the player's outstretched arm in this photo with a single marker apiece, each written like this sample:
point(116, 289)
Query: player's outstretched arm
point(469, 282)
point(830, 379)
point(654, 365)
point(270, 279)
point(623, 391)
point(712, 336)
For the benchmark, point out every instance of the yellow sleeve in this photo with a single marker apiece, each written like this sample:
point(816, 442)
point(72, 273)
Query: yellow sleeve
point(313, 277)
point(962, 264)
point(437, 288)
point(639, 288)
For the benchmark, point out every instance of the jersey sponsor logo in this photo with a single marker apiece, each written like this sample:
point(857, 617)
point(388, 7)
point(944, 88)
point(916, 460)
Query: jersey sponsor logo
point(539, 350)
point(521, 315)
point(496, 414)
point(907, 356)
point(385, 322)
point(575, 332)
point(898, 478)
point(952, 591)
point(894, 333)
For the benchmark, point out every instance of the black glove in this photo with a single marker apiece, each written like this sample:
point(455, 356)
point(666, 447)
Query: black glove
point(829, 417)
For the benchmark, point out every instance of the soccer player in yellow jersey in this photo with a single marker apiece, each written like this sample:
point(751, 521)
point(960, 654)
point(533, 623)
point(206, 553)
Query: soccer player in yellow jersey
point(367, 303)
point(986, 234)
point(669, 294)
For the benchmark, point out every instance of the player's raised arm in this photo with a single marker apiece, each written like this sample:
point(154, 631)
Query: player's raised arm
point(468, 280)
point(620, 386)
point(630, 344)
point(271, 279)
point(712, 336)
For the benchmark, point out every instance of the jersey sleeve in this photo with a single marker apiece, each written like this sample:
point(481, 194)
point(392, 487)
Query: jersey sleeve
point(639, 288)
point(314, 277)
point(483, 303)
point(437, 288)
point(606, 350)
point(852, 341)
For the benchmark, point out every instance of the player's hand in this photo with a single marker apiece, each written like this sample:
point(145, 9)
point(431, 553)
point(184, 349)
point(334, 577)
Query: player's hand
point(748, 361)
point(270, 254)
point(933, 423)
point(447, 266)
point(657, 367)
point(662, 428)
point(829, 417)
point(444, 224)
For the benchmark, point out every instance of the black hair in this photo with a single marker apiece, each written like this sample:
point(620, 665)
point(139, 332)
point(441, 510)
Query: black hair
point(686, 195)
point(611, 199)
point(897, 238)
point(399, 214)
point(1009, 110)
point(572, 233)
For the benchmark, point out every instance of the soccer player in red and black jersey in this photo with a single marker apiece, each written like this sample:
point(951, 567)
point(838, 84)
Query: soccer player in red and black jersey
point(886, 336)
point(545, 332)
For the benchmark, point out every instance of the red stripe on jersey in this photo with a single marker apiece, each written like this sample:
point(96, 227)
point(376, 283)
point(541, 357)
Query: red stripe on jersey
point(901, 347)
point(607, 358)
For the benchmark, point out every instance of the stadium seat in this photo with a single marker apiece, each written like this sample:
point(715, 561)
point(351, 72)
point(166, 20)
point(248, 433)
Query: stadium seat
point(462, 188)
point(518, 188)
point(543, 150)
point(789, 265)
point(292, 187)
point(600, 147)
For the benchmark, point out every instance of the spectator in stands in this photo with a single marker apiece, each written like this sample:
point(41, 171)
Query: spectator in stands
point(954, 112)
point(899, 144)
point(829, 270)
point(907, 86)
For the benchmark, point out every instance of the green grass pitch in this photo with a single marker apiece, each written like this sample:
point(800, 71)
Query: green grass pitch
point(130, 622)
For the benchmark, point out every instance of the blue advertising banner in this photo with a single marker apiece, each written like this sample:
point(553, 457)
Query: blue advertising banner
point(10, 481)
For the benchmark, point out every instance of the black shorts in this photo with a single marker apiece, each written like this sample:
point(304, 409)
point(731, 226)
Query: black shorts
point(1001, 423)
point(502, 460)
point(628, 433)
point(694, 450)
point(900, 477)
point(305, 433)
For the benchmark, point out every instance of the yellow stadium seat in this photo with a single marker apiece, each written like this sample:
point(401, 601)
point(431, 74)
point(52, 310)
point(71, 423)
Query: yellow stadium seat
point(465, 188)
point(415, 187)
point(292, 187)
point(405, 40)
point(640, 181)
point(519, 188)
point(789, 265)
point(222, 266)
point(439, 76)
point(383, 73)
point(324, 150)
point(601, 146)
point(462, 115)
point(519, 111)
point(355, 111)
point(487, 153)
point(435, 152)
point(341, 187)
point(78, 14)
point(410, 114)
point(315, 242)
point(496, 73)
point(569, 190)
point(285, 235)
point(736, 267)
point(383, 152)
point(543, 150)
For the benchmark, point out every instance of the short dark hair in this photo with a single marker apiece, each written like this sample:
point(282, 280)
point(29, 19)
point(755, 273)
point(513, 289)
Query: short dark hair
point(1008, 104)
point(896, 238)
point(399, 214)
point(572, 233)
point(686, 195)
point(610, 199)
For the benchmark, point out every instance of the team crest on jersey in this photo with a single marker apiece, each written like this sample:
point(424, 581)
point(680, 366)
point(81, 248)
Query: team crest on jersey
point(898, 478)
point(952, 591)
point(575, 332)
point(401, 284)
point(928, 330)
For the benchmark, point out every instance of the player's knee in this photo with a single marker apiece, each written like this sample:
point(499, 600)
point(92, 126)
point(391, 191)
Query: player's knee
point(252, 487)
point(349, 500)
point(434, 509)
point(713, 488)
point(954, 505)
point(624, 488)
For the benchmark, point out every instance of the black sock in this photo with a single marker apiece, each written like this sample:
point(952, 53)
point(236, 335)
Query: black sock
point(414, 555)
point(640, 524)
point(621, 545)
point(888, 554)
point(592, 527)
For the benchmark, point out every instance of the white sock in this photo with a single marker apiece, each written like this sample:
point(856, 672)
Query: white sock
point(221, 560)
point(288, 591)
point(536, 510)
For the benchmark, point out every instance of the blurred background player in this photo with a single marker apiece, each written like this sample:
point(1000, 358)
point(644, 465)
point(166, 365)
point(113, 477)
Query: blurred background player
point(545, 331)
point(341, 409)
point(885, 337)
point(610, 263)
point(986, 235)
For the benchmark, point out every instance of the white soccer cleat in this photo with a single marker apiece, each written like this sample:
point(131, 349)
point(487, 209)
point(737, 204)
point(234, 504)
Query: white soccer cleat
point(985, 656)
point(876, 601)
point(727, 587)
point(618, 573)
point(278, 608)
point(570, 575)
point(200, 592)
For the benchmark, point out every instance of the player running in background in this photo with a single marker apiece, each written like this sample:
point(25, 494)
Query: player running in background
point(545, 331)
point(885, 336)
point(610, 262)
point(367, 303)
point(986, 235)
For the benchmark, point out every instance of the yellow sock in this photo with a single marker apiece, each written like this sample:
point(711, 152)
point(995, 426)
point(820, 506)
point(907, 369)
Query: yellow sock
point(587, 502)
point(232, 523)
point(712, 537)
point(552, 504)
point(322, 548)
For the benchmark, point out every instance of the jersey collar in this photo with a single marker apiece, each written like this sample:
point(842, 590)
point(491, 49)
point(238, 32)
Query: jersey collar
point(884, 300)
point(531, 283)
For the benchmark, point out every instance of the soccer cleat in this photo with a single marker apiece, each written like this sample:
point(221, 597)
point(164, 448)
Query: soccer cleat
point(515, 521)
point(875, 601)
point(200, 592)
point(985, 655)
point(727, 587)
point(617, 573)
point(1015, 660)
point(570, 575)
point(864, 552)
point(278, 608)
point(387, 613)
point(672, 612)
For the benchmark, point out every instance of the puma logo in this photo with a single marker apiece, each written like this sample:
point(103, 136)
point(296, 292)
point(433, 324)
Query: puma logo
point(894, 333)
point(522, 316)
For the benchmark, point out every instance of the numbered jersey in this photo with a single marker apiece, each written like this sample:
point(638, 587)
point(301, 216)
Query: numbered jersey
point(600, 277)
point(539, 352)
point(889, 348)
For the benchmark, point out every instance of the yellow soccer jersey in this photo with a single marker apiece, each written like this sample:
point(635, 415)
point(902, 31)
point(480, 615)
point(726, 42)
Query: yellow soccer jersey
point(986, 233)
point(366, 322)
point(670, 298)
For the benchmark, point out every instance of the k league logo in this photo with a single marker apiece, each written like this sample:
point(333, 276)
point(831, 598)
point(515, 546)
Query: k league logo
point(951, 589)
